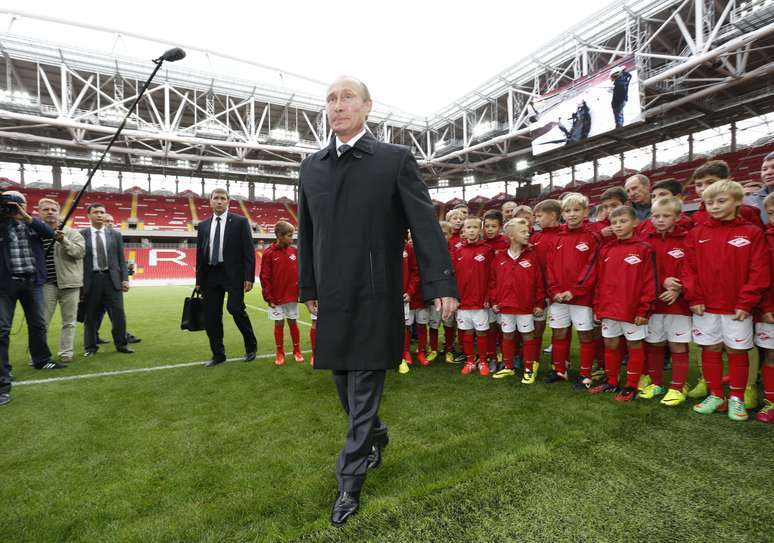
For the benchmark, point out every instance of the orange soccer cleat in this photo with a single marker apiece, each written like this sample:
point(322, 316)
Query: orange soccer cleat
point(422, 359)
point(280, 359)
point(298, 356)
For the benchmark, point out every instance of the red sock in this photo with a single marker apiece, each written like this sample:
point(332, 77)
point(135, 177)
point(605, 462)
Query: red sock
point(433, 339)
point(508, 349)
point(559, 351)
point(635, 367)
point(768, 382)
point(738, 371)
point(312, 337)
point(448, 338)
point(407, 340)
point(656, 363)
point(531, 353)
point(680, 362)
point(612, 365)
point(279, 338)
point(467, 345)
point(587, 349)
point(422, 337)
point(483, 344)
point(294, 336)
point(599, 351)
point(712, 367)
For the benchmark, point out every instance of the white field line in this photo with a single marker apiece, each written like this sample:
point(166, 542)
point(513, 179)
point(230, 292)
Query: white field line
point(299, 321)
point(125, 372)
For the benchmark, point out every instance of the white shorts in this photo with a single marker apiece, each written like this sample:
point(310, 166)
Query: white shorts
point(544, 317)
point(764, 335)
point(434, 317)
point(284, 311)
point(631, 332)
point(422, 315)
point(524, 323)
point(493, 317)
point(408, 314)
point(468, 319)
point(674, 328)
point(711, 329)
point(581, 317)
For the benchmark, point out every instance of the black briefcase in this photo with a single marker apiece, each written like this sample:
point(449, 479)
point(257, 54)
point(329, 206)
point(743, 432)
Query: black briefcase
point(193, 313)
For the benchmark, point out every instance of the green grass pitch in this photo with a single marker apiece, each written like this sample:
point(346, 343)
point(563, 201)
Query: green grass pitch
point(246, 451)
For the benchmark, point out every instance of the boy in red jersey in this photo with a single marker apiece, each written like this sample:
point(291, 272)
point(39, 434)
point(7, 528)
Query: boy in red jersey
point(493, 236)
point(449, 325)
point(525, 212)
point(471, 264)
point(410, 285)
point(611, 199)
point(707, 174)
point(668, 188)
point(517, 294)
point(279, 286)
point(671, 319)
point(573, 253)
point(624, 293)
point(726, 274)
point(764, 325)
point(455, 217)
point(419, 315)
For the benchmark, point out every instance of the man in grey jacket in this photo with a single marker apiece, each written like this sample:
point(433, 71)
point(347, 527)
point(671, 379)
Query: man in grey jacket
point(767, 177)
point(64, 276)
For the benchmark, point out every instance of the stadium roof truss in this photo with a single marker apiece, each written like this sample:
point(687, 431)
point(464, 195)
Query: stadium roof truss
point(703, 63)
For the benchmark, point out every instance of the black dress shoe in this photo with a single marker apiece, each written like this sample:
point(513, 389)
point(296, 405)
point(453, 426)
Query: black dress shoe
point(375, 456)
point(132, 338)
point(125, 350)
point(50, 365)
point(249, 357)
point(5, 398)
point(215, 361)
point(89, 353)
point(346, 505)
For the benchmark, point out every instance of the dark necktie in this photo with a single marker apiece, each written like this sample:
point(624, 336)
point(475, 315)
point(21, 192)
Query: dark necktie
point(215, 254)
point(343, 149)
point(101, 255)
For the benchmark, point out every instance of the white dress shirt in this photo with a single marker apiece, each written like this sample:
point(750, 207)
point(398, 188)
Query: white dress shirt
point(94, 258)
point(213, 226)
point(351, 142)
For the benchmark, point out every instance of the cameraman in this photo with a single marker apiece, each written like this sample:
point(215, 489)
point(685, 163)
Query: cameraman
point(22, 274)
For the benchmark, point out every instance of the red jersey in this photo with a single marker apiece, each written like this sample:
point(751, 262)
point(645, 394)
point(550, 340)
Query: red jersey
point(750, 213)
point(669, 249)
point(542, 243)
point(626, 283)
point(455, 242)
point(645, 228)
point(410, 276)
point(767, 303)
point(571, 255)
point(279, 275)
point(499, 243)
point(727, 266)
point(417, 301)
point(471, 264)
point(517, 284)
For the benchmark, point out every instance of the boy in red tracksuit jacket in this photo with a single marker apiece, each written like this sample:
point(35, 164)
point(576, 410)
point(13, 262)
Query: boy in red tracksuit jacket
point(707, 174)
point(726, 274)
point(279, 286)
point(449, 325)
point(471, 263)
point(569, 289)
point(410, 285)
point(671, 318)
point(455, 217)
point(764, 324)
point(419, 313)
point(517, 293)
point(493, 236)
point(624, 293)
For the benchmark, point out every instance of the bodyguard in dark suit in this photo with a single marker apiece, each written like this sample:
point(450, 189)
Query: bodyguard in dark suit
point(225, 263)
point(105, 279)
point(357, 197)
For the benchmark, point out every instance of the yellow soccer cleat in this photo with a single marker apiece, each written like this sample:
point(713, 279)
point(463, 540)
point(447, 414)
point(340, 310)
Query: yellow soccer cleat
point(644, 382)
point(673, 398)
point(751, 397)
point(449, 357)
point(503, 373)
point(530, 376)
point(700, 390)
point(650, 392)
point(432, 355)
point(403, 368)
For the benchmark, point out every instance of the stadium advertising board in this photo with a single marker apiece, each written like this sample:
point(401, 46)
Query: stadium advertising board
point(595, 104)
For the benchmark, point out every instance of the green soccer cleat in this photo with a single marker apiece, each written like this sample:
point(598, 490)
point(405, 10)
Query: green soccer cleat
point(404, 367)
point(711, 404)
point(503, 373)
point(736, 410)
point(432, 355)
point(650, 392)
point(751, 397)
point(700, 390)
point(644, 382)
point(673, 398)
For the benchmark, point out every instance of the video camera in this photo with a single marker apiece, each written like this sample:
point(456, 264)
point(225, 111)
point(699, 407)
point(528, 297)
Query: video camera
point(8, 205)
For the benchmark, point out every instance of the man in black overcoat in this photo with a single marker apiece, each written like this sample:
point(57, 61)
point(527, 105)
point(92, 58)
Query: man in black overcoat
point(357, 198)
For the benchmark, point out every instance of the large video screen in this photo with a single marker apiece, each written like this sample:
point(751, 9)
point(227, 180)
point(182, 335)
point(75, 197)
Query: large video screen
point(598, 103)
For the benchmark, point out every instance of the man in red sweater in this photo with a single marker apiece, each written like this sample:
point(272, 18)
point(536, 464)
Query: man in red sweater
point(726, 274)
point(279, 286)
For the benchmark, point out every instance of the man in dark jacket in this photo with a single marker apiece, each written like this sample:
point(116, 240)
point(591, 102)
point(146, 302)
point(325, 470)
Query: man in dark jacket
point(620, 77)
point(357, 197)
point(22, 275)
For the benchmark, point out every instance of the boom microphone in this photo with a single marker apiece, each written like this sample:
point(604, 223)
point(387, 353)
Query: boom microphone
point(172, 55)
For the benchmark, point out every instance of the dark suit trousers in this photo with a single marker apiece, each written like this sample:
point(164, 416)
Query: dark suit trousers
point(101, 294)
point(215, 289)
point(360, 393)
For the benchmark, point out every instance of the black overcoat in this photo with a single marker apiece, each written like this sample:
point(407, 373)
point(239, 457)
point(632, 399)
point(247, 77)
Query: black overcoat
point(353, 213)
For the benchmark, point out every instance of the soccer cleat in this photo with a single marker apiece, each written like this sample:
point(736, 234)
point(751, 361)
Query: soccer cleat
point(736, 410)
point(449, 357)
point(700, 390)
point(711, 404)
point(483, 369)
point(555, 377)
point(298, 356)
point(673, 398)
point(583, 384)
point(432, 355)
point(766, 414)
point(644, 382)
point(279, 360)
point(407, 358)
point(499, 357)
point(422, 359)
point(460, 358)
point(598, 374)
point(650, 392)
point(468, 368)
point(626, 395)
point(750, 397)
point(403, 368)
point(604, 388)
point(529, 377)
point(548, 349)
point(503, 373)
